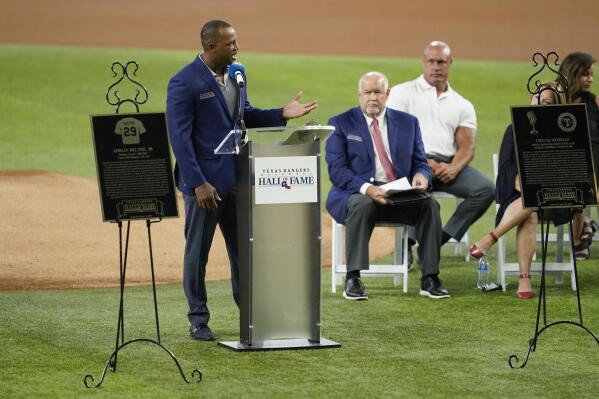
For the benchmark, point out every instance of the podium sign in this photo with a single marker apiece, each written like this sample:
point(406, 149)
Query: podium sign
point(279, 180)
point(134, 166)
point(554, 156)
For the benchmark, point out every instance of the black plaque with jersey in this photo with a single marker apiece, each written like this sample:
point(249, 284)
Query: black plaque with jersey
point(134, 172)
point(554, 156)
point(134, 166)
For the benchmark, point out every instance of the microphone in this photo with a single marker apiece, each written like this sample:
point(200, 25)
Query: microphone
point(236, 72)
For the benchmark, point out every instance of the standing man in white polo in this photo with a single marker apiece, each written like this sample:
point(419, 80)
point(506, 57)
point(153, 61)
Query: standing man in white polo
point(448, 124)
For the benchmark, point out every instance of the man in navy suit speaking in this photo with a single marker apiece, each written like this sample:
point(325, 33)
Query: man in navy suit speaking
point(201, 110)
point(373, 145)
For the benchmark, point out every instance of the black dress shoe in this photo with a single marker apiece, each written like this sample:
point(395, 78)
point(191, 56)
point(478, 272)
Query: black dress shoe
point(431, 287)
point(202, 332)
point(354, 289)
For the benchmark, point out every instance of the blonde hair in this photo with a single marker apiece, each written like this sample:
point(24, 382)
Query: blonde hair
point(559, 95)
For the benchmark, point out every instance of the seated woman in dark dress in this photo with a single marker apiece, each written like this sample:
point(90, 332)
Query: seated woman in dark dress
point(578, 69)
point(511, 212)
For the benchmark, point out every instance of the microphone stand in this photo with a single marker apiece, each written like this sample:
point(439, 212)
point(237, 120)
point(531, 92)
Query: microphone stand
point(239, 122)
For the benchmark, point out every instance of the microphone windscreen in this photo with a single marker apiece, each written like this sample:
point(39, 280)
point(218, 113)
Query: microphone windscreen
point(233, 68)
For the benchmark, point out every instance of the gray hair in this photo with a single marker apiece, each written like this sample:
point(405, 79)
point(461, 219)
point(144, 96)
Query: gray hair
point(375, 73)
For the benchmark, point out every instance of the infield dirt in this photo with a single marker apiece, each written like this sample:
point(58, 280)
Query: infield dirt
point(53, 237)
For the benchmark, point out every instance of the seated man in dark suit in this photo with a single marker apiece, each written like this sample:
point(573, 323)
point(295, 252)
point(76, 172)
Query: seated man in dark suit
point(373, 145)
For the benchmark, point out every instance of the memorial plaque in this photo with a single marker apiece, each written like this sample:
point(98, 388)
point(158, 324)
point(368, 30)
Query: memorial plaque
point(553, 151)
point(134, 166)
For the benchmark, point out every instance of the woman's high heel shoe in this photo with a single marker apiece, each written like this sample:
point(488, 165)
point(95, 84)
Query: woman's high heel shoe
point(476, 252)
point(524, 294)
point(587, 233)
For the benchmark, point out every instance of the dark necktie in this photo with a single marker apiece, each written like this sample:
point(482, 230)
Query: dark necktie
point(380, 150)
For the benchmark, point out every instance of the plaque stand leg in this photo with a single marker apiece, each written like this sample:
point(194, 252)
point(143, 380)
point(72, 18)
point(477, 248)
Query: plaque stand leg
point(88, 380)
point(542, 305)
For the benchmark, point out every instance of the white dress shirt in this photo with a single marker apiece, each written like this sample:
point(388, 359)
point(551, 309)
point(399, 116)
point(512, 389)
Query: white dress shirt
point(379, 174)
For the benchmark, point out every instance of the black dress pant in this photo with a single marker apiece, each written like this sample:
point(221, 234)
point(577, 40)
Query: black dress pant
point(200, 225)
point(362, 215)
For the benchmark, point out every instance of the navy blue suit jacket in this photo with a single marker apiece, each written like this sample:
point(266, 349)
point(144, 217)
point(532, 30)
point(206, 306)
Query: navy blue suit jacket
point(198, 120)
point(351, 159)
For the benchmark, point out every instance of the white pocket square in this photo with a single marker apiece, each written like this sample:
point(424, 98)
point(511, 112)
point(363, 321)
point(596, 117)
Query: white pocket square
point(208, 94)
point(354, 137)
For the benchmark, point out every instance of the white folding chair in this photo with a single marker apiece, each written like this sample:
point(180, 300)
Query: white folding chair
point(398, 270)
point(460, 247)
point(556, 268)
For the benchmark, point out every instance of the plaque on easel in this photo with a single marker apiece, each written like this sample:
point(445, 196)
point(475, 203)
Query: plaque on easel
point(135, 180)
point(555, 167)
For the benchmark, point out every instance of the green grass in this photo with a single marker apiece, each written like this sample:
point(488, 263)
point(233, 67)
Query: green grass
point(48, 94)
point(393, 345)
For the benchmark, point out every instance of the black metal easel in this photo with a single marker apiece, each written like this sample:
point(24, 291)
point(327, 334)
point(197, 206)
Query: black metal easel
point(542, 305)
point(88, 380)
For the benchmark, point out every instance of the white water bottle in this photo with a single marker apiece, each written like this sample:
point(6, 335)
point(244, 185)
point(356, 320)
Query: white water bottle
point(483, 273)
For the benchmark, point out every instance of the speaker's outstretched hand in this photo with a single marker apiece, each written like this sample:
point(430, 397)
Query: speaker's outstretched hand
point(294, 109)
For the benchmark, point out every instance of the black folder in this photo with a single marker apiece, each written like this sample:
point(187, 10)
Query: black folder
point(399, 197)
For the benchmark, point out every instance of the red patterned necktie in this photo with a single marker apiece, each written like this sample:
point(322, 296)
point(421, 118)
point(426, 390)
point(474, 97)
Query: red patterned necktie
point(380, 150)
